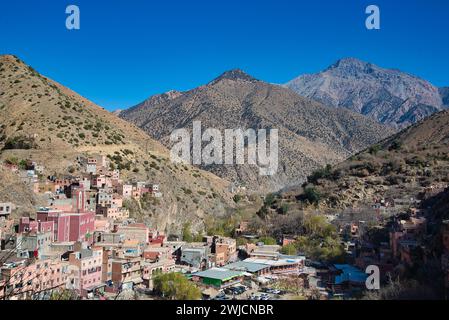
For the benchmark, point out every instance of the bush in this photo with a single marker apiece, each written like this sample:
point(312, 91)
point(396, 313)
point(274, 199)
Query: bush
point(374, 149)
point(284, 208)
point(312, 195)
point(395, 145)
point(237, 198)
point(323, 173)
point(269, 200)
point(268, 240)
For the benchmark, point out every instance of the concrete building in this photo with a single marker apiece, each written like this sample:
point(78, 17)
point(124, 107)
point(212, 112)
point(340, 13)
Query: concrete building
point(86, 265)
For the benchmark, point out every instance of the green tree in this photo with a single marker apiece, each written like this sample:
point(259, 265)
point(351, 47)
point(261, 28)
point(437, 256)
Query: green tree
point(289, 249)
point(187, 233)
point(176, 286)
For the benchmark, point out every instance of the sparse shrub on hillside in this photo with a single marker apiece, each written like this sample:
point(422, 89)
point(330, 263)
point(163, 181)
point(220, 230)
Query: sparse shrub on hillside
point(374, 149)
point(324, 173)
point(392, 167)
point(284, 208)
point(187, 191)
point(269, 200)
point(19, 142)
point(395, 145)
point(416, 161)
point(394, 179)
point(237, 198)
point(312, 195)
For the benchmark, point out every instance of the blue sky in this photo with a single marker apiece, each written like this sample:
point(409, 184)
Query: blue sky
point(128, 50)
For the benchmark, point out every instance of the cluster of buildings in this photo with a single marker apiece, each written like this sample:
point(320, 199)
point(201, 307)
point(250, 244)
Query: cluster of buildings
point(258, 264)
point(83, 240)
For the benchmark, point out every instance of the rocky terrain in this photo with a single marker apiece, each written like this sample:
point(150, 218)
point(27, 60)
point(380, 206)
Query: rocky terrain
point(310, 134)
point(444, 92)
point(44, 121)
point(386, 95)
point(14, 190)
point(400, 167)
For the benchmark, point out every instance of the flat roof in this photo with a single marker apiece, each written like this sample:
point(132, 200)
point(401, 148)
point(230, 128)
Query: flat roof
point(219, 273)
point(278, 262)
point(246, 266)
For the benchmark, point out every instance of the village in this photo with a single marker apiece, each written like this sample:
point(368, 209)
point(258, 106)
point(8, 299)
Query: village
point(84, 243)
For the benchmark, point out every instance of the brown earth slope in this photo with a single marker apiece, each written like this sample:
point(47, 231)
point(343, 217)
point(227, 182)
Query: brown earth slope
point(47, 122)
point(400, 167)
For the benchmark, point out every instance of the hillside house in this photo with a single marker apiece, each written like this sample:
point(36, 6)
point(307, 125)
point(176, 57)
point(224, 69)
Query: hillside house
point(6, 209)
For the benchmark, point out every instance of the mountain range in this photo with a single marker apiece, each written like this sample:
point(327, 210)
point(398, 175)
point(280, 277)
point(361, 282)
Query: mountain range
point(310, 134)
point(389, 96)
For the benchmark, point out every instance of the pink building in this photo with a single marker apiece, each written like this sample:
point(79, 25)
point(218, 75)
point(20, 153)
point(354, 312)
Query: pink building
point(103, 224)
point(61, 223)
point(99, 181)
point(28, 225)
point(82, 226)
point(86, 267)
point(69, 226)
point(21, 280)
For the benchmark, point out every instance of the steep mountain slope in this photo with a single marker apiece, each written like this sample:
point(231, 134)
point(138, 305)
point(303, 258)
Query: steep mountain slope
point(386, 95)
point(398, 168)
point(12, 189)
point(310, 135)
point(444, 92)
point(46, 122)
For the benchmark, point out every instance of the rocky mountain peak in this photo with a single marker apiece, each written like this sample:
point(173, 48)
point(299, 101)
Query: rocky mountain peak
point(389, 96)
point(234, 74)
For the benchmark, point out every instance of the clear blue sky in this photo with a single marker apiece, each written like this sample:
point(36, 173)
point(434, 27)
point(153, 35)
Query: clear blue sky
point(129, 50)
